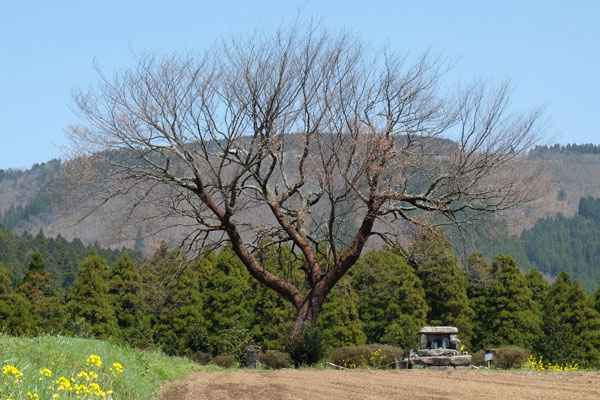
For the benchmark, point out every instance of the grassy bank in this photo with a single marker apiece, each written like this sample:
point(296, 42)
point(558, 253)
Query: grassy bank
point(69, 368)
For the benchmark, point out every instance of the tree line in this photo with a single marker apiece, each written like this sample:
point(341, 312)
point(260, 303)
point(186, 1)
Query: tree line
point(211, 304)
point(60, 255)
point(586, 148)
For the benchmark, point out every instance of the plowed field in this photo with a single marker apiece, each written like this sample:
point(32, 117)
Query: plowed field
point(313, 384)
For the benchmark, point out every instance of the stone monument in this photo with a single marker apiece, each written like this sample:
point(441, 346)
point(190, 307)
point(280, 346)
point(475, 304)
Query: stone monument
point(440, 349)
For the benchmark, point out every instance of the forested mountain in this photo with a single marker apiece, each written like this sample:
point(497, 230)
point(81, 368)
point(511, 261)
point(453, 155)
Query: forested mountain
point(538, 235)
point(61, 256)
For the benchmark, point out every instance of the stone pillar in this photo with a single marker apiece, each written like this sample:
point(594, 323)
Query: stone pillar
point(252, 355)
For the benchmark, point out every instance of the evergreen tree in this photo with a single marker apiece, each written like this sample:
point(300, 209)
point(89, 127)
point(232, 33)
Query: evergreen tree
point(181, 314)
point(481, 280)
point(15, 317)
point(512, 316)
point(38, 288)
point(444, 281)
point(273, 314)
point(339, 318)
point(571, 324)
point(538, 285)
point(125, 290)
point(228, 304)
point(392, 302)
point(89, 304)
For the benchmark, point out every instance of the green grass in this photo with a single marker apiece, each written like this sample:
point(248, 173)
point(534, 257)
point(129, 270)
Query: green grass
point(143, 371)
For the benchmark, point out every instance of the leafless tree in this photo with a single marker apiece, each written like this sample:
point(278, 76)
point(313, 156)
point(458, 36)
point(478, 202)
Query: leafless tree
point(304, 137)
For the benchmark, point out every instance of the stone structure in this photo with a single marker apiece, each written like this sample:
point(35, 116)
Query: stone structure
point(252, 356)
point(440, 348)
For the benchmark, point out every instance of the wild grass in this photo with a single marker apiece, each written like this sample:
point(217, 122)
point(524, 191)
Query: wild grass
point(141, 377)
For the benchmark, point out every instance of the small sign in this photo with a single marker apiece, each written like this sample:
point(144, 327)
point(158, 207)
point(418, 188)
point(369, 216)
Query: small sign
point(489, 355)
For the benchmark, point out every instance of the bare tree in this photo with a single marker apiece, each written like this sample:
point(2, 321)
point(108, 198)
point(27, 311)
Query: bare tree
point(307, 138)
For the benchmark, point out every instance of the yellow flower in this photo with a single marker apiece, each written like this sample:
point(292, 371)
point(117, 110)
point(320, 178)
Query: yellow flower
point(94, 360)
point(46, 372)
point(12, 373)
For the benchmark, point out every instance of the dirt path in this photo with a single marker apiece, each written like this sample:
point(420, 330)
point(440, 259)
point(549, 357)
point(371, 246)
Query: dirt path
point(404, 384)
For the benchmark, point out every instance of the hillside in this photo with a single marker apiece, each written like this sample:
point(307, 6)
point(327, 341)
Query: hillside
point(37, 198)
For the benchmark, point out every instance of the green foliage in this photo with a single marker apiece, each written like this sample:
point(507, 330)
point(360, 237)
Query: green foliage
point(275, 359)
point(46, 308)
point(305, 347)
point(589, 207)
point(339, 318)
point(510, 357)
point(15, 315)
point(568, 244)
point(538, 285)
point(510, 316)
point(89, 299)
point(273, 314)
point(392, 302)
point(227, 298)
point(125, 291)
point(571, 324)
point(444, 281)
point(180, 313)
point(61, 257)
point(366, 356)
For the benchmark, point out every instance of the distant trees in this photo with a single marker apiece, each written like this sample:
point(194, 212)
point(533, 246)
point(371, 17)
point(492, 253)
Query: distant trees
point(570, 244)
point(61, 257)
point(329, 142)
point(587, 148)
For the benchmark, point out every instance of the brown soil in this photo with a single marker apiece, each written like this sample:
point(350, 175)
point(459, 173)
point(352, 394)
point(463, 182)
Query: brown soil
point(400, 384)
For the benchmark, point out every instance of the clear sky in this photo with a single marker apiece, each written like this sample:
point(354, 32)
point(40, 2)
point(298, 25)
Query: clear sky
point(549, 49)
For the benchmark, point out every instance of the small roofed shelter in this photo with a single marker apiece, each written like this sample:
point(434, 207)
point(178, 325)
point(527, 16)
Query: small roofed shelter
point(440, 349)
point(439, 337)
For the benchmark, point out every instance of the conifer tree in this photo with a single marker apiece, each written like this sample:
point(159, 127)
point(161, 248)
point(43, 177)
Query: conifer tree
point(228, 304)
point(444, 281)
point(273, 314)
point(481, 280)
point(512, 316)
point(46, 308)
point(15, 317)
point(538, 285)
point(125, 290)
point(339, 320)
point(89, 304)
point(571, 324)
point(392, 302)
point(181, 314)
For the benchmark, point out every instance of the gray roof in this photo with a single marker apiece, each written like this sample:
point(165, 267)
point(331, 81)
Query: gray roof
point(439, 330)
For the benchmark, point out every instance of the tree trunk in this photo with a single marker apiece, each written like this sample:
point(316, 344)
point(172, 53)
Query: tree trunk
point(308, 311)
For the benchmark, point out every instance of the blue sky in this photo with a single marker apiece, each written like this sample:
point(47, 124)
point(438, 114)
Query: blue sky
point(550, 51)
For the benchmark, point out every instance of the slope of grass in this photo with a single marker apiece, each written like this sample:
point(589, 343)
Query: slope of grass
point(141, 377)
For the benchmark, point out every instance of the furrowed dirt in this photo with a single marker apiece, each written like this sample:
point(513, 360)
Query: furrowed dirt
point(402, 384)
